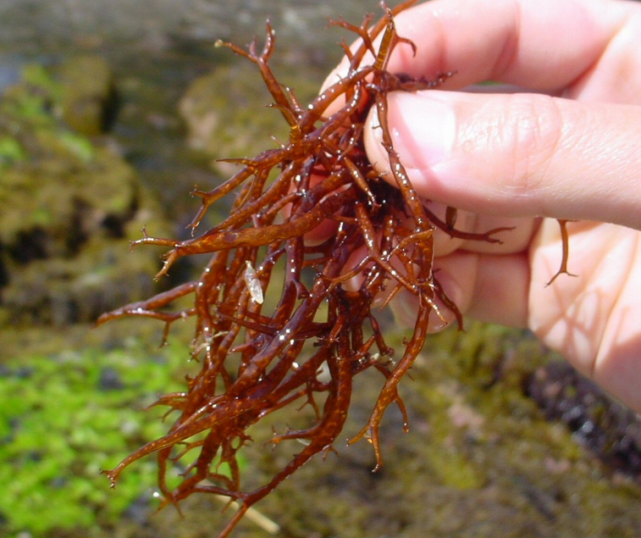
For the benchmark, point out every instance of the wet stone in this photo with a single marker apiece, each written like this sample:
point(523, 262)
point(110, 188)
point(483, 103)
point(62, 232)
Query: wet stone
point(608, 428)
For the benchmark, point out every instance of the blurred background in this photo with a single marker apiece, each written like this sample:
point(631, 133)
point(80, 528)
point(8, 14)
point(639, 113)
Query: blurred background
point(110, 113)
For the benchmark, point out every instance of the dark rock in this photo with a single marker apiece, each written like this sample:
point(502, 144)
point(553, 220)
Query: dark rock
point(610, 429)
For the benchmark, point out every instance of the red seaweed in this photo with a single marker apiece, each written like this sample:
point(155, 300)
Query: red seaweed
point(254, 361)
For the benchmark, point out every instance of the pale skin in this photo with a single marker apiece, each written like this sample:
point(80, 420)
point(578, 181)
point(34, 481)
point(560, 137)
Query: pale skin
point(570, 149)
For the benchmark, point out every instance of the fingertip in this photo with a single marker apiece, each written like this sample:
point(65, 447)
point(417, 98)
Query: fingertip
point(423, 131)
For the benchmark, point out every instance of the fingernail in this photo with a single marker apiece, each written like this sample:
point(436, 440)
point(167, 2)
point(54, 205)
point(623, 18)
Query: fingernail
point(423, 128)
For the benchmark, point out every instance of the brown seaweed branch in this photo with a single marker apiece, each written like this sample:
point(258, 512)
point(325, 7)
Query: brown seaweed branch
point(254, 362)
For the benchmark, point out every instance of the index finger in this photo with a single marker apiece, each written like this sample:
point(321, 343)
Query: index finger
point(542, 45)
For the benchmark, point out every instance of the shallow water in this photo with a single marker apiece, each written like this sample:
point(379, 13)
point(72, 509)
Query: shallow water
point(41, 25)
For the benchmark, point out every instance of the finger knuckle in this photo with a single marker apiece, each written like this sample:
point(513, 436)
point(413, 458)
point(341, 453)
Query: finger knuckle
point(534, 132)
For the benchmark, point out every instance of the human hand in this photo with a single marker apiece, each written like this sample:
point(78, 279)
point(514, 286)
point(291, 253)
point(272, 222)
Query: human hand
point(570, 151)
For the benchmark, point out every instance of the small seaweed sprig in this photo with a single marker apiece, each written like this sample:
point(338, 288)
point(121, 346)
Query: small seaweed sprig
point(254, 362)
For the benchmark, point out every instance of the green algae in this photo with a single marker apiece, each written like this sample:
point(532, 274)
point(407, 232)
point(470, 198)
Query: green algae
point(65, 417)
point(11, 151)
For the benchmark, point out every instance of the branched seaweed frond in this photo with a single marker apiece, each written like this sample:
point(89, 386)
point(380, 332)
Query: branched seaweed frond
point(251, 360)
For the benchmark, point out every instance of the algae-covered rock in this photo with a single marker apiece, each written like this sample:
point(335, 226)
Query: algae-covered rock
point(88, 93)
point(54, 202)
point(225, 111)
point(609, 428)
point(224, 115)
point(69, 208)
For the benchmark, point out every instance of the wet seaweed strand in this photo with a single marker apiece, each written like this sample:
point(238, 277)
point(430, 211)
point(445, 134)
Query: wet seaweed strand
point(253, 362)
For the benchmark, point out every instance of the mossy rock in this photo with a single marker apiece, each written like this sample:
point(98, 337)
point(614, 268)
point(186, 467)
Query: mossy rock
point(88, 93)
point(226, 116)
point(70, 207)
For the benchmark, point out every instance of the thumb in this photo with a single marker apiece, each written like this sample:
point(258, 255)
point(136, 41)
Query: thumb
point(517, 155)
